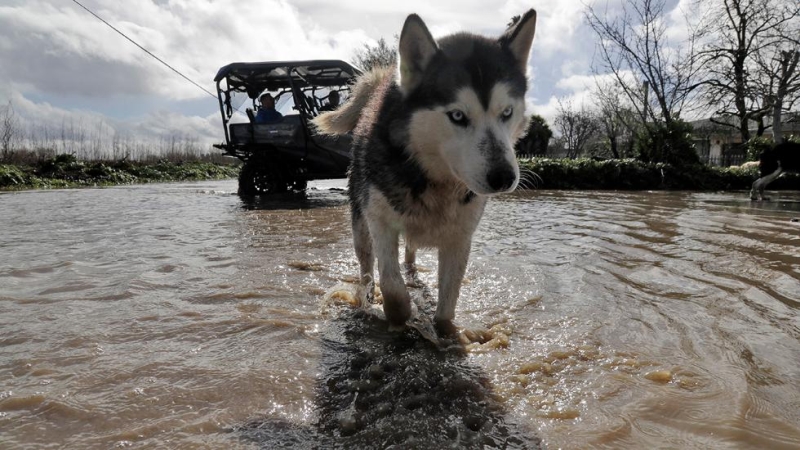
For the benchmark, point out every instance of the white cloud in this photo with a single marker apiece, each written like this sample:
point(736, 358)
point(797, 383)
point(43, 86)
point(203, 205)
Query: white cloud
point(579, 90)
point(577, 83)
point(58, 61)
point(61, 48)
point(42, 118)
point(557, 23)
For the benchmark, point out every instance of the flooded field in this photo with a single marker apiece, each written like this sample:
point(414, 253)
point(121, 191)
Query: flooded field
point(177, 316)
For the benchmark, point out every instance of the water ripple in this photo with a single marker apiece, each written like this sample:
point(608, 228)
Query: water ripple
point(168, 316)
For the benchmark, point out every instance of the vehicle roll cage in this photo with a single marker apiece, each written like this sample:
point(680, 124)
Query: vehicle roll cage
point(282, 76)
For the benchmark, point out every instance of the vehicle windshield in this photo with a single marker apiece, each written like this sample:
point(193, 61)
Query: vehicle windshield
point(240, 85)
point(238, 102)
point(285, 104)
point(317, 100)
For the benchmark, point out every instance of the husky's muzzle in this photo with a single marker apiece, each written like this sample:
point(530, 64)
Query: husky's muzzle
point(501, 178)
point(501, 175)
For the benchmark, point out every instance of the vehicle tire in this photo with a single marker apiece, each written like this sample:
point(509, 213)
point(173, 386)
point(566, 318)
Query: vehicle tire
point(299, 184)
point(296, 179)
point(256, 178)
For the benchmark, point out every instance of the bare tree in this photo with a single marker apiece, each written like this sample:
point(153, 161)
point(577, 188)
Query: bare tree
point(576, 126)
point(379, 55)
point(657, 76)
point(780, 88)
point(743, 62)
point(9, 130)
point(616, 119)
point(788, 85)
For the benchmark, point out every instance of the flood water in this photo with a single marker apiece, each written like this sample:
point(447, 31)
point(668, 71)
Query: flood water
point(177, 316)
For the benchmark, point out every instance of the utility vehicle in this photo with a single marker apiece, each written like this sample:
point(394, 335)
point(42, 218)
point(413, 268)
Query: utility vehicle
point(283, 156)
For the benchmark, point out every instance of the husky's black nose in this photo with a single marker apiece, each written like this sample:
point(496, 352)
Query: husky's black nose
point(501, 178)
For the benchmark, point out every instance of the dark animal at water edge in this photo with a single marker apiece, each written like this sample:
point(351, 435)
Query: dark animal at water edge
point(784, 157)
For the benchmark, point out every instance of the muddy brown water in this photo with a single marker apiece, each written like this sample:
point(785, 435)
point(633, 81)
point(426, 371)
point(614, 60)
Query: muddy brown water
point(177, 316)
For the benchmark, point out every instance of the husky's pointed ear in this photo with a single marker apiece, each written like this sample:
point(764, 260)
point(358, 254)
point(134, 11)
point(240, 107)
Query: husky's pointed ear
point(519, 37)
point(417, 48)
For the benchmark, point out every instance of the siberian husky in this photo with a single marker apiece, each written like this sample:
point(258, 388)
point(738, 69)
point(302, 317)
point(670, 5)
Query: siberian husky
point(431, 144)
point(784, 157)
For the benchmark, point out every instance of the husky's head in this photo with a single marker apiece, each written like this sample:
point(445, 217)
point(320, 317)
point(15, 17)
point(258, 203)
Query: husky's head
point(466, 94)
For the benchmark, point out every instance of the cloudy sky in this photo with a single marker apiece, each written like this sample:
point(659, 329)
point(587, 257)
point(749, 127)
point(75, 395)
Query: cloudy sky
point(57, 62)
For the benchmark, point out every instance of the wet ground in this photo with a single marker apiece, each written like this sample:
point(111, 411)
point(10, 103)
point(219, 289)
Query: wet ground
point(177, 316)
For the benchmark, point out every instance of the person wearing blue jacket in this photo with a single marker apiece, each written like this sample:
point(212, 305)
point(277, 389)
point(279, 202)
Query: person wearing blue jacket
point(267, 113)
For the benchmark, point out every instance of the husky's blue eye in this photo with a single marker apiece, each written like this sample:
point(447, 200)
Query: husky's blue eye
point(507, 113)
point(458, 117)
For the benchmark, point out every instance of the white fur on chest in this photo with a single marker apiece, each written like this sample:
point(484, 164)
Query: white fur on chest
point(437, 217)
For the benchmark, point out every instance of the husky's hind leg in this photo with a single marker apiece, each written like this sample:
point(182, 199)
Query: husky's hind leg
point(362, 242)
point(411, 255)
point(453, 259)
point(755, 191)
point(410, 266)
point(396, 301)
point(410, 259)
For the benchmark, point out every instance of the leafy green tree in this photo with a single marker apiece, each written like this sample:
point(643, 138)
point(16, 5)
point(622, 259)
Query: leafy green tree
point(670, 143)
point(536, 138)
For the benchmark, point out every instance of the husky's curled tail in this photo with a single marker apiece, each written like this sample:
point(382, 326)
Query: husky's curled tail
point(345, 118)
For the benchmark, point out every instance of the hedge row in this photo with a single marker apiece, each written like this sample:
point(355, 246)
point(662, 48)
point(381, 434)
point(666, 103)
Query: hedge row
point(66, 171)
point(632, 174)
point(542, 173)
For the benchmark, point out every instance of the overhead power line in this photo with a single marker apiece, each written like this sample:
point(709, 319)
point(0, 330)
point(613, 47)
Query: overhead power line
point(144, 49)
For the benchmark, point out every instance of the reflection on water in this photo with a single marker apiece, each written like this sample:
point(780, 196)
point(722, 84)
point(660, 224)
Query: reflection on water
point(314, 198)
point(394, 390)
point(173, 316)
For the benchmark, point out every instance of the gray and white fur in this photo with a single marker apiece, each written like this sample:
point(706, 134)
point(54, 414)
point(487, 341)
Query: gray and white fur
point(775, 161)
point(431, 144)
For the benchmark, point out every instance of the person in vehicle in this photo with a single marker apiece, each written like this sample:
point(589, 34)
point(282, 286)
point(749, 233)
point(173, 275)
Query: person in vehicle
point(333, 102)
point(267, 113)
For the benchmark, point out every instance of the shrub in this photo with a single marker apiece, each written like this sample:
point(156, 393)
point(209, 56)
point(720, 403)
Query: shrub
point(65, 171)
point(667, 143)
point(63, 166)
point(631, 174)
point(756, 146)
point(12, 176)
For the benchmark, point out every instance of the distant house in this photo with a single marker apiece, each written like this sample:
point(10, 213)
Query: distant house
point(721, 145)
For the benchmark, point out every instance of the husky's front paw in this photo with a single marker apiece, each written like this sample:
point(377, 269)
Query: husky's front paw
point(445, 328)
point(397, 308)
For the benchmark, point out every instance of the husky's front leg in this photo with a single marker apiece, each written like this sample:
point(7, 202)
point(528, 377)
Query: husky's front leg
point(453, 259)
point(396, 301)
point(760, 184)
point(362, 242)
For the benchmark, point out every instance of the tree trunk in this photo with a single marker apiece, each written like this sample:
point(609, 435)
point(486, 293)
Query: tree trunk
point(777, 127)
point(761, 127)
point(789, 60)
point(614, 147)
point(744, 128)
